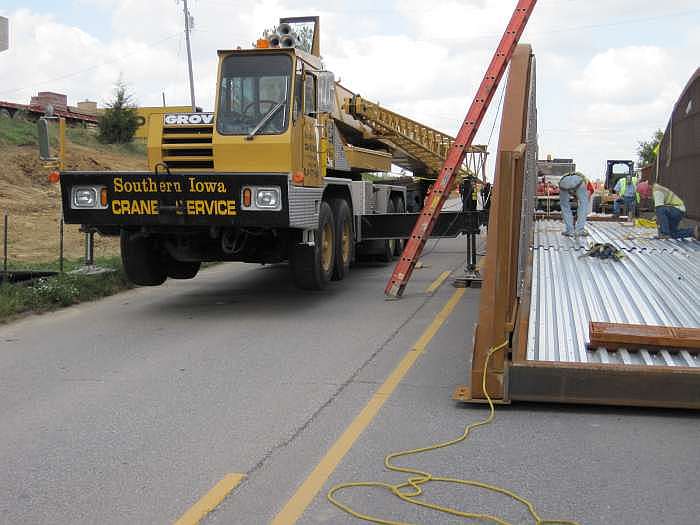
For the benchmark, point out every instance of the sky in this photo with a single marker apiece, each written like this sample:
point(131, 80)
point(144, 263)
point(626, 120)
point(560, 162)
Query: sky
point(608, 72)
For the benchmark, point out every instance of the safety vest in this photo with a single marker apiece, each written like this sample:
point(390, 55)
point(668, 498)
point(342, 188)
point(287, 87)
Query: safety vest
point(623, 187)
point(665, 197)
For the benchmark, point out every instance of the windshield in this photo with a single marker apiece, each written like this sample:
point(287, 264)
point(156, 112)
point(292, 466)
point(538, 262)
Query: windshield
point(251, 87)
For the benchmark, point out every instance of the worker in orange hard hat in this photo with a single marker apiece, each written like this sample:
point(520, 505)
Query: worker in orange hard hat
point(670, 210)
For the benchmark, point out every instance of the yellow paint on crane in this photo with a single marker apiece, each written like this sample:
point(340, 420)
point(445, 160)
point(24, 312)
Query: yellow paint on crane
point(297, 504)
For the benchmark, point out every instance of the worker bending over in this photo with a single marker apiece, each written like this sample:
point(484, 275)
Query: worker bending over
point(573, 184)
point(670, 210)
point(626, 189)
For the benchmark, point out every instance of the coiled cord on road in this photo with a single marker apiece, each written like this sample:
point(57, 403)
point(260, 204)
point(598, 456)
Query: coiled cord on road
point(418, 478)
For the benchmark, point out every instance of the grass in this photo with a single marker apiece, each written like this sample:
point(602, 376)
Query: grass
point(62, 290)
point(17, 132)
point(21, 132)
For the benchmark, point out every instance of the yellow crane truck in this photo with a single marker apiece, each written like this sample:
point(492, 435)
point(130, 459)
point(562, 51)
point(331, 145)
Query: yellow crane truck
point(273, 174)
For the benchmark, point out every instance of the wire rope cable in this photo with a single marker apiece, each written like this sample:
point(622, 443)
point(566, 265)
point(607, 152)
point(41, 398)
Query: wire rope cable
point(488, 143)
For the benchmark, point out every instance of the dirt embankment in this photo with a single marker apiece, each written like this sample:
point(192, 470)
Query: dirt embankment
point(33, 205)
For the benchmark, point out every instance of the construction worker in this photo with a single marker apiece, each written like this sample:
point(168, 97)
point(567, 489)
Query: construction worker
point(670, 210)
point(626, 189)
point(486, 195)
point(469, 191)
point(574, 184)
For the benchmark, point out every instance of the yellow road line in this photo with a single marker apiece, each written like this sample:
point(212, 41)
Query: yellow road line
point(211, 500)
point(305, 494)
point(437, 282)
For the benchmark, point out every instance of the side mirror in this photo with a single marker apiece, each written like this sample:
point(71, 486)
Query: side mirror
point(43, 138)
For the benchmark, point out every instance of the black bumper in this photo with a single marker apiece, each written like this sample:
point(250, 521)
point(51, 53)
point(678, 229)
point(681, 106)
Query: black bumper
point(194, 199)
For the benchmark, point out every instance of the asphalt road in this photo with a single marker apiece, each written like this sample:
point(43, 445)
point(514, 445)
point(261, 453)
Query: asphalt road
point(130, 409)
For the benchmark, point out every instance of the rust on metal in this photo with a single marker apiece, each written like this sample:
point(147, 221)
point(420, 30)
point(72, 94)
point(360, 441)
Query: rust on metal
point(618, 385)
point(498, 306)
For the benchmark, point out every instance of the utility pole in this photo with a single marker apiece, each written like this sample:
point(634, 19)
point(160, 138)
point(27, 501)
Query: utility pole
point(188, 19)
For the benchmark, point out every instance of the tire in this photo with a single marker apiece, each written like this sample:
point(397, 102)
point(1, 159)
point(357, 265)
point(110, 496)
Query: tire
point(399, 207)
point(142, 259)
point(183, 269)
point(312, 266)
point(344, 238)
point(387, 254)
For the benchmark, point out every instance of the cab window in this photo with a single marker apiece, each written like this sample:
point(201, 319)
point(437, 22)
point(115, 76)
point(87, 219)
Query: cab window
point(254, 89)
point(310, 95)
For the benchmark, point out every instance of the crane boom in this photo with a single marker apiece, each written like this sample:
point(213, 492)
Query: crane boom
point(422, 150)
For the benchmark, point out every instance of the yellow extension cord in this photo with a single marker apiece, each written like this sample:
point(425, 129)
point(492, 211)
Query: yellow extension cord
point(645, 223)
point(419, 478)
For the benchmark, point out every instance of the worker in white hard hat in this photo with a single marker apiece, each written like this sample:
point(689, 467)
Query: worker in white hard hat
point(574, 184)
point(670, 210)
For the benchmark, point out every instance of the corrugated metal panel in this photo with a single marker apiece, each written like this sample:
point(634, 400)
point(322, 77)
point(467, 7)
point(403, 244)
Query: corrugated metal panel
point(630, 238)
point(653, 286)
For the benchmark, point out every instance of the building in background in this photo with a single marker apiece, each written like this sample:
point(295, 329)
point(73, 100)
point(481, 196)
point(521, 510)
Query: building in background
point(85, 113)
point(678, 164)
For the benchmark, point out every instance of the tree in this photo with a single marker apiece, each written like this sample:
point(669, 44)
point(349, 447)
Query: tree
point(646, 151)
point(119, 122)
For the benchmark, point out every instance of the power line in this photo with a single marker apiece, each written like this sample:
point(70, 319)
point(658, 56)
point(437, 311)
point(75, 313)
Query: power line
point(619, 23)
point(491, 35)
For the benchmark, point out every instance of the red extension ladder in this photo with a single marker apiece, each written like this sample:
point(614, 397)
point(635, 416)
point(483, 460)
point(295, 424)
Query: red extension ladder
point(435, 200)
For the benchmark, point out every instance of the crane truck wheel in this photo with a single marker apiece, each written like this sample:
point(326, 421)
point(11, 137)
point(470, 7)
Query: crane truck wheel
point(183, 269)
point(387, 254)
point(344, 238)
point(142, 259)
point(399, 207)
point(312, 266)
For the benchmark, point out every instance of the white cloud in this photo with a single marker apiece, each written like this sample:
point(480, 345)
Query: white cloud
point(604, 81)
point(47, 55)
point(626, 75)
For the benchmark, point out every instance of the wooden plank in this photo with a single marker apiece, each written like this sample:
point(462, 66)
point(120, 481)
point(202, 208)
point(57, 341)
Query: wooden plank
point(634, 336)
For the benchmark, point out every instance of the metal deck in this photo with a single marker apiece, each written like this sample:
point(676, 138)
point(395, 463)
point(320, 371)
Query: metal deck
point(656, 283)
point(631, 238)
